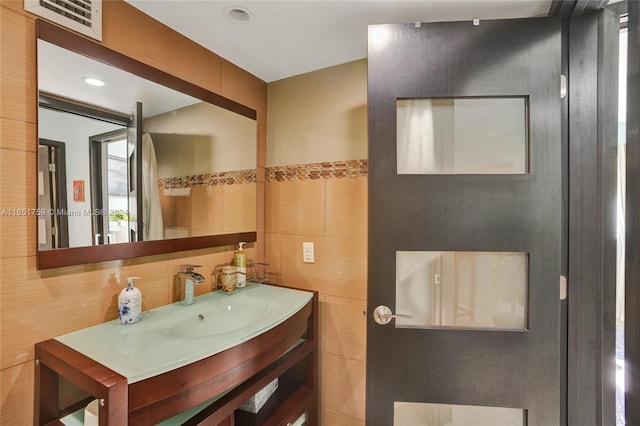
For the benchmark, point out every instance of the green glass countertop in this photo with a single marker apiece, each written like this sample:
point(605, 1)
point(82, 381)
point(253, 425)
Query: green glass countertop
point(174, 335)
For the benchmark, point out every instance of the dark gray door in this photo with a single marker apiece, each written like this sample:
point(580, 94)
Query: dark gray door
point(465, 208)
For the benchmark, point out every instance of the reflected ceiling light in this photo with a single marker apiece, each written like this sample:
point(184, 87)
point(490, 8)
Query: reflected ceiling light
point(92, 81)
point(238, 14)
point(379, 36)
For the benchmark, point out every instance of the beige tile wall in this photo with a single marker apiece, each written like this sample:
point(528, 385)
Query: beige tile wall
point(207, 210)
point(331, 213)
point(320, 212)
point(319, 116)
point(37, 305)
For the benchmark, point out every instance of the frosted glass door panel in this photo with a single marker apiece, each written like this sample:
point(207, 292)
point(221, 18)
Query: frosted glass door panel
point(422, 414)
point(462, 136)
point(486, 290)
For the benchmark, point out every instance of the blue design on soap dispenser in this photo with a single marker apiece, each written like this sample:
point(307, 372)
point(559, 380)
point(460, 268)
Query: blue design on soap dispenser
point(130, 303)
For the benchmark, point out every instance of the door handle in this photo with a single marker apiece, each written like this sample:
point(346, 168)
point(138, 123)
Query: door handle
point(383, 315)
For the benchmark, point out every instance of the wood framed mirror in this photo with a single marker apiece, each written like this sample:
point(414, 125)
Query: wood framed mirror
point(205, 147)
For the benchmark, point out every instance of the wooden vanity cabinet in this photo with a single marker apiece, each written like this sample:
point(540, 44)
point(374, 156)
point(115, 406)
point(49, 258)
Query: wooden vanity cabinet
point(288, 352)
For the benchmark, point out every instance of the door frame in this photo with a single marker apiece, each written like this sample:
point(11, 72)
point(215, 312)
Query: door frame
point(98, 161)
point(591, 242)
point(632, 213)
point(60, 166)
point(592, 153)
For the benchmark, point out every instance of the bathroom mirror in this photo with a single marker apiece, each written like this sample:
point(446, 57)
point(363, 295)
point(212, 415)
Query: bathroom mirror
point(145, 164)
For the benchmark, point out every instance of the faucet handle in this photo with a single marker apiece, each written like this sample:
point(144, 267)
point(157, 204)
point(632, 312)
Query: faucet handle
point(188, 267)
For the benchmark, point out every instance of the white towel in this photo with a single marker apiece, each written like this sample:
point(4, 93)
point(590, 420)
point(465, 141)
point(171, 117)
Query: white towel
point(151, 207)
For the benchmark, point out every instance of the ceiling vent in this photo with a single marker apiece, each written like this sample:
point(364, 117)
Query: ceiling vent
point(83, 16)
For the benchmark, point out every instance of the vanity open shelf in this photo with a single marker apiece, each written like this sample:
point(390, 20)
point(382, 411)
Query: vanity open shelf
point(226, 379)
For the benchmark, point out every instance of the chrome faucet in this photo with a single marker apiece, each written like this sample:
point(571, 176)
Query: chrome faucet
point(185, 282)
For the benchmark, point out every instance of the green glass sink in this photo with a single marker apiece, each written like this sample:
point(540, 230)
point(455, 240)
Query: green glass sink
point(216, 318)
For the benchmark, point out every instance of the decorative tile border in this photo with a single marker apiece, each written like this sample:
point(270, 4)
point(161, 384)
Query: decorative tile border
point(336, 169)
point(234, 177)
point(313, 171)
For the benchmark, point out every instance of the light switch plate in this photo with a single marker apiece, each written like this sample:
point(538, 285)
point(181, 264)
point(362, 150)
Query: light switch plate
point(308, 254)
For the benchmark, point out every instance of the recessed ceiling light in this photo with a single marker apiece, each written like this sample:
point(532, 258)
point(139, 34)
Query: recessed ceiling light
point(238, 14)
point(93, 81)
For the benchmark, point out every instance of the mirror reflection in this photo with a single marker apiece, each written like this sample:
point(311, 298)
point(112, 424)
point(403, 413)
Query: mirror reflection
point(132, 160)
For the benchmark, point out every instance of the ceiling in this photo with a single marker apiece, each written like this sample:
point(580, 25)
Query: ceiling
point(287, 38)
point(61, 73)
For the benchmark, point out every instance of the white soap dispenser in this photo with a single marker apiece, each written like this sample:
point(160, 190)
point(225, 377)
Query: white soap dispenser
point(130, 303)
